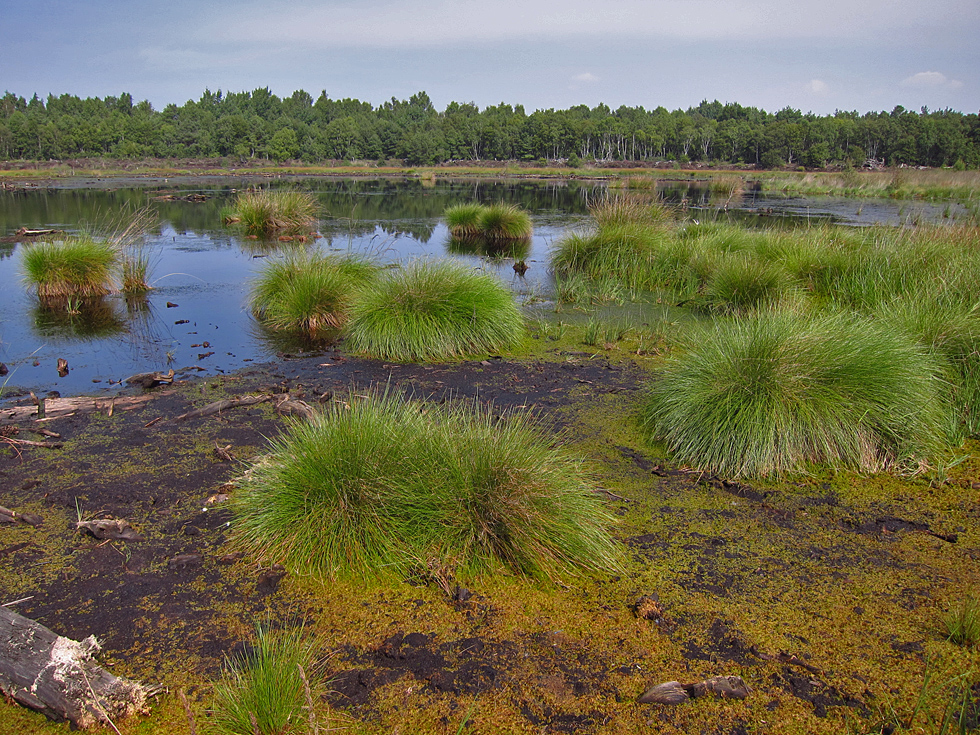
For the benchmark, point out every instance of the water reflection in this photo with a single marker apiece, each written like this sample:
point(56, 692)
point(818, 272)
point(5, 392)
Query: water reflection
point(66, 320)
point(494, 249)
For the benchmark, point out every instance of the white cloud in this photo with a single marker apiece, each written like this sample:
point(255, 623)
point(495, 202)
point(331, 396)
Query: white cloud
point(586, 77)
point(931, 79)
point(818, 86)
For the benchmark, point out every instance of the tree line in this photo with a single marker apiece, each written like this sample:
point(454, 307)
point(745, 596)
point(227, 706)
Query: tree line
point(260, 125)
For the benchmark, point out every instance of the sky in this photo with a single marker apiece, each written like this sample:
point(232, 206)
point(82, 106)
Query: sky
point(813, 55)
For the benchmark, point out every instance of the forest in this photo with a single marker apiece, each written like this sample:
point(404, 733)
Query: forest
point(255, 125)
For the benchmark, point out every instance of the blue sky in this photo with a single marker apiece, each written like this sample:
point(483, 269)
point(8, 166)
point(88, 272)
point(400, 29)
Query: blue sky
point(815, 56)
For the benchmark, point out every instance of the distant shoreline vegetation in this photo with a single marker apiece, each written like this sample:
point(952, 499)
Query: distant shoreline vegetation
point(259, 126)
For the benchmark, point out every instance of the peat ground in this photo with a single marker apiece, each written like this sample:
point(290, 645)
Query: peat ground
point(823, 592)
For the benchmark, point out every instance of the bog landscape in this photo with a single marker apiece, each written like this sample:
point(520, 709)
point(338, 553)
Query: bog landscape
point(622, 437)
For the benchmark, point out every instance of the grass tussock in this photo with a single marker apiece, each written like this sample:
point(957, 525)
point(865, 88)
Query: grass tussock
point(494, 223)
point(268, 213)
point(308, 295)
point(77, 266)
point(771, 393)
point(463, 220)
point(128, 237)
point(630, 210)
point(432, 311)
point(264, 692)
point(382, 486)
point(962, 623)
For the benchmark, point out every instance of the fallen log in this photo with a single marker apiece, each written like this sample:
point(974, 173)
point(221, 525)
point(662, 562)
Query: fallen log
point(55, 408)
point(212, 408)
point(59, 677)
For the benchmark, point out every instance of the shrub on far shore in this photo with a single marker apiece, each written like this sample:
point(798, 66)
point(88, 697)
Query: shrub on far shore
point(433, 310)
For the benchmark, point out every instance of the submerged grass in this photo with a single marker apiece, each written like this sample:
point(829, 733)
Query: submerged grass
point(308, 295)
point(380, 486)
point(773, 392)
point(433, 310)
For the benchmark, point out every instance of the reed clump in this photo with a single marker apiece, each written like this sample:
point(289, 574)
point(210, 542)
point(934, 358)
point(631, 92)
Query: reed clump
point(268, 212)
point(772, 392)
point(77, 266)
point(308, 295)
point(433, 310)
point(494, 223)
point(378, 486)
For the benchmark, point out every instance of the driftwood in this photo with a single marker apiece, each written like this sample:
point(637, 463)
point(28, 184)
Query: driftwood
point(58, 676)
point(56, 408)
point(109, 528)
point(25, 232)
point(212, 408)
point(294, 407)
point(673, 692)
point(150, 380)
point(12, 516)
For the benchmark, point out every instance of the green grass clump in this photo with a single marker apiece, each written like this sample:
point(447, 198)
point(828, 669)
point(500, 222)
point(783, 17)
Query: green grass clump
point(432, 311)
point(771, 393)
point(385, 487)
point(463, 219)
point(630, 210)
point(741, 282)
point(962, 623)
point(504, 222)
point(271, 213)
point(263, 693)
point(494, 223)
point(308, 295)
point(76, 266)
point(950, 330)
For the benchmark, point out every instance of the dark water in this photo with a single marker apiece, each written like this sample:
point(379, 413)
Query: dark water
point(195, 316)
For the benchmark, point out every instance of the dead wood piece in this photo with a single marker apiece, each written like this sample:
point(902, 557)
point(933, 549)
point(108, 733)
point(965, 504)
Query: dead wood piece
point(150, 380)
point(726, 687)
point(673, 692)
point(293, 407)
point(56, 408)
point(29, 443)
point(26, 232)
point(223, 453)
point(12, 516)
point(670, 692)
point(59, 677)
point(215, 407)
point(108, 528)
